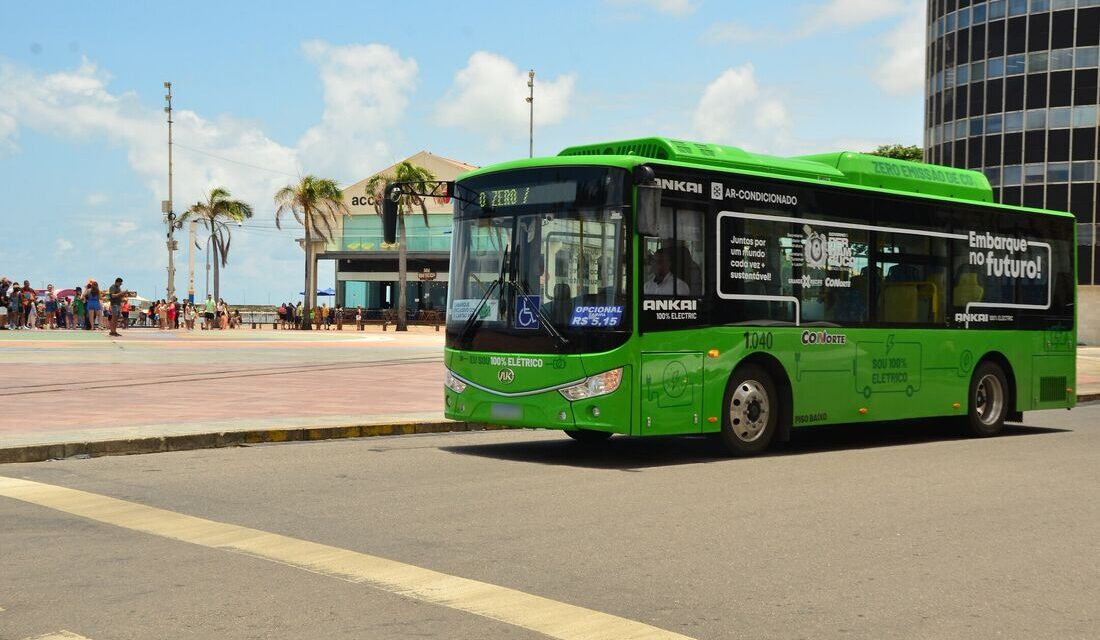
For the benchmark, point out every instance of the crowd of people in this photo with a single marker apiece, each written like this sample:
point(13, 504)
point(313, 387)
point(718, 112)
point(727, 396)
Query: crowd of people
point(90, 308)
point(289, 316)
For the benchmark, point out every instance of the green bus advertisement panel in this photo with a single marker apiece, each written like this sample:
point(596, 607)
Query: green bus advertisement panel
point(661, 287)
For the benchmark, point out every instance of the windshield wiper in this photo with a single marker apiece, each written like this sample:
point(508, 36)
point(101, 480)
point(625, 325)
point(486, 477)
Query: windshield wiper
point(545, 319)
point(472, 320)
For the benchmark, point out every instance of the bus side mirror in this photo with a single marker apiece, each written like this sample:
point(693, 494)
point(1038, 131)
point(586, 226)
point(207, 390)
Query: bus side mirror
point(389, 212)
point(649, 210)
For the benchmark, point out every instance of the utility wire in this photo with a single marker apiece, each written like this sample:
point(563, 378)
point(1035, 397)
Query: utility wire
point(245, 164)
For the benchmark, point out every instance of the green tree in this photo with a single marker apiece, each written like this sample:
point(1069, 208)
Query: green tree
point(913, 153)
point(417, 180)
point(215, 214)
point(316, 204)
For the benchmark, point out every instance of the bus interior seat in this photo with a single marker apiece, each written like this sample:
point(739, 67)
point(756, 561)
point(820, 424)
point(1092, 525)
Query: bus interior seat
point(967, 289)
point(900, 302)
point(903, 273)
point(850, 304)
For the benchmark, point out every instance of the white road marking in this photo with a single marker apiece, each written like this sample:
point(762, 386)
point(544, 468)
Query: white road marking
point(542, 615)
point(60, 635)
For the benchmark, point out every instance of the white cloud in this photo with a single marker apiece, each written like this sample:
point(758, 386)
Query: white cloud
point(734, 109)
point(902, 72)
point(848, 14)
point(95, 199)
point(8, 130)
point(831, 15)
point(366, 92)
point(63, 246)
point(489, 96)
point(669, 7)
point(77, 105)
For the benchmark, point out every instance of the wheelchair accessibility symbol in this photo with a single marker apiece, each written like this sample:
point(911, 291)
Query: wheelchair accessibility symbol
point(527, 314)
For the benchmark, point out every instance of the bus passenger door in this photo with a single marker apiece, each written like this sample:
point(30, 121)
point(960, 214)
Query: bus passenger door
point(672, 393)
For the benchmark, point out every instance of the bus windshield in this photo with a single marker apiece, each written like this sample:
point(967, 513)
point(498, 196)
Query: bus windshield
point(539, 262)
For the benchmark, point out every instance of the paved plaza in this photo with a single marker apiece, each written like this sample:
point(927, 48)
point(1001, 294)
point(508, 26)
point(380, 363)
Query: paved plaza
point(84, 385)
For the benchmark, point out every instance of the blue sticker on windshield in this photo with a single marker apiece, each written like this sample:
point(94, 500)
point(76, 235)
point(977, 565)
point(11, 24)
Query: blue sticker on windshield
point(527, 312)
point(596, 316)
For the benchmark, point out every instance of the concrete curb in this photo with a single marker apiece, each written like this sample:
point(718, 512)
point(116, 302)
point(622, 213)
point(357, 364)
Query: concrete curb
point(159, 444)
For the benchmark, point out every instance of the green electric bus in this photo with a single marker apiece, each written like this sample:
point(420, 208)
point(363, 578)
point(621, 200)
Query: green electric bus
point(662, 287)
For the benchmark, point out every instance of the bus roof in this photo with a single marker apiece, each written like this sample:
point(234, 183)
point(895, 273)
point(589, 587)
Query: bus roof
point(843, 167)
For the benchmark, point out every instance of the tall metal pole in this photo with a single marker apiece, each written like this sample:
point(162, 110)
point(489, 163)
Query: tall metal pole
point(191, 261)
point(531, 121)
point(169, 215)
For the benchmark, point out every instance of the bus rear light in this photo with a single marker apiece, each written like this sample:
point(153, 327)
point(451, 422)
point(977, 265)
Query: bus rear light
point(593, 386)
point(453, 383)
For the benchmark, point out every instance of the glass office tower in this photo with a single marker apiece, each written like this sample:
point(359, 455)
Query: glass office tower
point(1011, 90)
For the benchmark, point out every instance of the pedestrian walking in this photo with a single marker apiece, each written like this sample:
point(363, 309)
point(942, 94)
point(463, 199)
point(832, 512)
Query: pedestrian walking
point(115, 294)
point(51, 307)
point(80, 311)
point(27, 298)
point(173, 314)
point(93, 305)
point(208, 313)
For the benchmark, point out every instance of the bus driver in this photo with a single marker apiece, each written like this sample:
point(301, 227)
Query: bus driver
point(663, 281)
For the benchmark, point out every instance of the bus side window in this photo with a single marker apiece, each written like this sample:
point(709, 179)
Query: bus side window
point(674, 262)
point(912, 284)
point(689, 244)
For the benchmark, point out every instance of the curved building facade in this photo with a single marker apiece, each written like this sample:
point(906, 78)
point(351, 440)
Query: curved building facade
point(1011, 90)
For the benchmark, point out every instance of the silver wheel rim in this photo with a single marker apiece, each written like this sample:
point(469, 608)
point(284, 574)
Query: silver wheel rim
point(989, 399)
point(749, 411)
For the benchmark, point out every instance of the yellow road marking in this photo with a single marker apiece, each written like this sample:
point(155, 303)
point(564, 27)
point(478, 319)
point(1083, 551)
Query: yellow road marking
point(60, 635)
point(543, 615)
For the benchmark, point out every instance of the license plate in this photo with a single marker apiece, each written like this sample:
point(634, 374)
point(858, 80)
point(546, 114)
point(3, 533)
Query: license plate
point(507, 411)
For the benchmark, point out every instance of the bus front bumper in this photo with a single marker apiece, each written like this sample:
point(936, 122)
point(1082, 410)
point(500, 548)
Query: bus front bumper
point(547, 409)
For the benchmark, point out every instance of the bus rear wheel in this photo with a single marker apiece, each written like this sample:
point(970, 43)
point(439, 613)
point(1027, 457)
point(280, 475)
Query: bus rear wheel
point(989, 400)
point(751, 413)
point(588, 435)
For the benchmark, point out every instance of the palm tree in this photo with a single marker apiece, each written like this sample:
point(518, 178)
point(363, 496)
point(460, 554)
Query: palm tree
point(416, 179)
point(316, 203)
point(215, 214)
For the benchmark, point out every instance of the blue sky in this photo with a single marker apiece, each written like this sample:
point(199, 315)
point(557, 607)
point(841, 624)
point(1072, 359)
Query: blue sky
point(268, 91)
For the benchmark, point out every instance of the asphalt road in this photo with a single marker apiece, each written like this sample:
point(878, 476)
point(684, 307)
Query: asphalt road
point(900, 531)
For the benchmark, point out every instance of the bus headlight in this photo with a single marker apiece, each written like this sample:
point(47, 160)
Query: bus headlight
point(597, 385)
point(453, 383)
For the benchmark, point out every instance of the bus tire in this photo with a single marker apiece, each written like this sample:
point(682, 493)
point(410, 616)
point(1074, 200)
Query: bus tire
point(987, 400)
point(588, 435)
point(750, 415)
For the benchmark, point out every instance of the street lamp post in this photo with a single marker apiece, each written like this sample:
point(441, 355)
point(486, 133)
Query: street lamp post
point(531, 119)
point(166, 206)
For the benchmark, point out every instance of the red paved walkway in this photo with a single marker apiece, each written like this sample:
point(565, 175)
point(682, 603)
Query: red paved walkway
point(66, 381)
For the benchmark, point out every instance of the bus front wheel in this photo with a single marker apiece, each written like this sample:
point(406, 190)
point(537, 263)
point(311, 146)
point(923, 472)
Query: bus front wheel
point(588, 435)
point(751, 414)
point(988, 405)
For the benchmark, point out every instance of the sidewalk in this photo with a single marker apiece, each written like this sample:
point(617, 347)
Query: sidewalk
point(81, 393)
